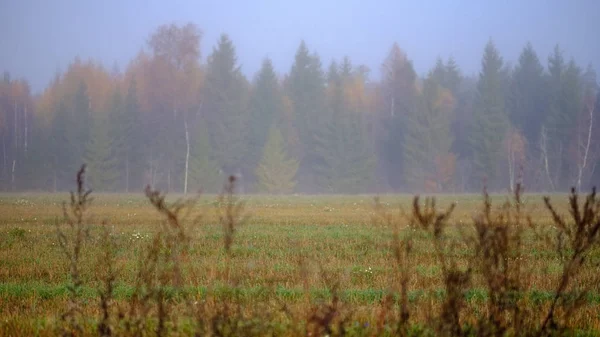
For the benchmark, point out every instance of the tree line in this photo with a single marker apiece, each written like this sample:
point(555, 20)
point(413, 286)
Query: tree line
point(178, 122)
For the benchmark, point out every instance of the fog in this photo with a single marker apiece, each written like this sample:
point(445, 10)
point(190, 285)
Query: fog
point(300, 96)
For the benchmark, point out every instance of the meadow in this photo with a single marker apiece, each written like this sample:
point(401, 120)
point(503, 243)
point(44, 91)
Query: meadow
point(295, 265)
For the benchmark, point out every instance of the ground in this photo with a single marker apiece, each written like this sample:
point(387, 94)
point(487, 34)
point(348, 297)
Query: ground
point(291, 251)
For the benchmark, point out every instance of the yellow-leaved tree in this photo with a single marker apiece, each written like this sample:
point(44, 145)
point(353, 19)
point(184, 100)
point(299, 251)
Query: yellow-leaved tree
point(276, 171)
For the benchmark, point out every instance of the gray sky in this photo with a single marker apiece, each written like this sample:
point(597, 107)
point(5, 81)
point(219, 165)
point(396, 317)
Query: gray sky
point(40, 37)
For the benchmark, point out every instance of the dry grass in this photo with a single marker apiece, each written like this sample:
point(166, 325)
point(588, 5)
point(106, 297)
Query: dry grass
point(299, 265)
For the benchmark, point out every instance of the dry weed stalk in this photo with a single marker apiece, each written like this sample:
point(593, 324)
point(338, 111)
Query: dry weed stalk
point(230, 211)
point(107, 274)
point(456, 280)
point(401, 248)
point(574, 241)
point(71, 245)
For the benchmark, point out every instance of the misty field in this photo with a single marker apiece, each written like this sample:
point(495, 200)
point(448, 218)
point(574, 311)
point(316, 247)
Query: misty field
point(296, 263)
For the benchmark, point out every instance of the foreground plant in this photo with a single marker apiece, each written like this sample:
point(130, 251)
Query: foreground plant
point(71, 243)
point(574, 242)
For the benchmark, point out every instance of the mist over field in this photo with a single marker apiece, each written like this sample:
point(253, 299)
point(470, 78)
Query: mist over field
point(300, 97)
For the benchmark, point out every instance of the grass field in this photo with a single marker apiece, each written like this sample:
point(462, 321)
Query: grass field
point(290, 261)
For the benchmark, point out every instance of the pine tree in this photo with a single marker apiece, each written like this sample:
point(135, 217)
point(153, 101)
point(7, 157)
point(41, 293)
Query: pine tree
point(225, 106)
point(102, 164)
point(276, 171)
point(490, 120)
point(266, 108)
point(204, 171)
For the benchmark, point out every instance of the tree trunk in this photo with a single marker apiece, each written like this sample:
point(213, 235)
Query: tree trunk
point(12, 179)
point(127, 173)
point(3, 155)
point(586, 149)
point(511, 168)
point(187, 155)
point(16, 141)
point(544, 148)
point(26, 133)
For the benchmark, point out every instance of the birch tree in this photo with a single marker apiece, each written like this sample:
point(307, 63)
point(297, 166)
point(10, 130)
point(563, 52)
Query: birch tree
point(176, 52)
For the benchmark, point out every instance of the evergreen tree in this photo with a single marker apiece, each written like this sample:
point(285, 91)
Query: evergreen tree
point(37, 168)
point(306, 90)
point(204, 170)
point(335, 91)
point(225, 106)
point(528, 95)
point(80, 124)
point(102, 165)
point(400, 100)
point(490, 120)
point(428, 137)
point(134, 150)
point(452, 77)
point(276, 171)
point(572, 97)
point(438, 74)
point(345, 162)
point(565, 104)
point(266, 108)
point(126, 137)
point(63, 157)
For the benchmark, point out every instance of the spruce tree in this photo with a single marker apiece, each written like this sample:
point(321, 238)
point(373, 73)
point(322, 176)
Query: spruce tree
point(102, 164)
point(61, 149)
point(276, 171)
point(428, 137)
point(224, 104)
point(527, 100)
point(116, 131)
point(346, 164)
point(400, 100)
point(134, 149)
point(565, 103)
point(205, 173)
point(266, 108)
point(490, 119)
point(306, 90)
point(345, 161)
point(126, 137)
point(452, 77)
point(80, 123)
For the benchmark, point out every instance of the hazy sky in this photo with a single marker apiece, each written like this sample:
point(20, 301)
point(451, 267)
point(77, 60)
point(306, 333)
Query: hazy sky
point(40, 37)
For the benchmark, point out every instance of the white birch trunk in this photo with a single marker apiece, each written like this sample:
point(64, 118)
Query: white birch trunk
point(12, 179)
point(127, 173)
point(26, 133)
point(544, 148)
point(586, 149)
